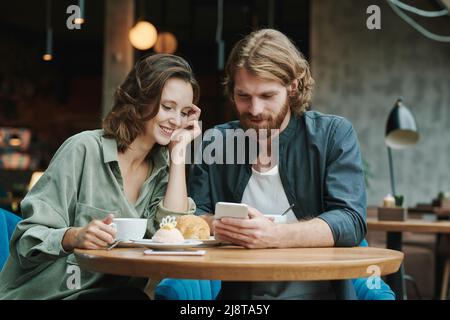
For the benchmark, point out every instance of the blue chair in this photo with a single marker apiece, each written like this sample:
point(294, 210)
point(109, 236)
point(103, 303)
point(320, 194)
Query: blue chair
point(383, 292)
point(184, 289)
point(8, 222)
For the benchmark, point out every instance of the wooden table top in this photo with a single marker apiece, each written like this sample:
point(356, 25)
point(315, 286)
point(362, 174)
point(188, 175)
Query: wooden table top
point(409, 225)
point(238, 264)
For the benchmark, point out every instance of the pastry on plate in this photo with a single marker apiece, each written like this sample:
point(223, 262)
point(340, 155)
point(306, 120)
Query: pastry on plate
point(168, 233)
point(193, 227)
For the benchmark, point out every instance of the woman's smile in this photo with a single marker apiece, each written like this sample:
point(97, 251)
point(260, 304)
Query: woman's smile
point(166, 131)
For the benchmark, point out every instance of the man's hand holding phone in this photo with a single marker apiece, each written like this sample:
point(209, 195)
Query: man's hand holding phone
point(250, 230)
point(231, 210)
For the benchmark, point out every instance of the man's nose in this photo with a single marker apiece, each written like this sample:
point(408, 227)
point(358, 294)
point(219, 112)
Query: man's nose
point(256, 107)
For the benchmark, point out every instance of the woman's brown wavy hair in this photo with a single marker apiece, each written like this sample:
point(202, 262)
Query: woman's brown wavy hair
point(269, 54)
point(137, 100)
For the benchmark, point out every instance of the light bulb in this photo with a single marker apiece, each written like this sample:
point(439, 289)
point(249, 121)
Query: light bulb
point(166, 43)
point(143, 35)
point(47, 57)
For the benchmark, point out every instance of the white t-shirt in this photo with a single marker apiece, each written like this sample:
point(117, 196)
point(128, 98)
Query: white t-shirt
point(265, 193)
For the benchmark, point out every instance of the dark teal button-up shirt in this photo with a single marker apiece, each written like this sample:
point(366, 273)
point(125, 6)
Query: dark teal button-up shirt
point(320, 169)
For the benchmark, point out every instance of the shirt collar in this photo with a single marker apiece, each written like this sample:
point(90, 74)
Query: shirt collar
point(291, 128)
point(109, 146)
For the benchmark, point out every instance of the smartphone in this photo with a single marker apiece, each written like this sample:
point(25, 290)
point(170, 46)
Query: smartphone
point(231, 210)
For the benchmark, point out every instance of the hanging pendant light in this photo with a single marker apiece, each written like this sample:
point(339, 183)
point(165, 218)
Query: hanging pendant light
point(48, 55)
point(166, 43)
point(143, 35)
point(15, 141)
point(219, 36)
point(80, 19)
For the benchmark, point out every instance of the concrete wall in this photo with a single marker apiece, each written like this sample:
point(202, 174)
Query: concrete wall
point(360, 73)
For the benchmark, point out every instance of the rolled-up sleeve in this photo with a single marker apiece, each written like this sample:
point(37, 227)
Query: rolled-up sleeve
point(345, 193)
point(163, 211)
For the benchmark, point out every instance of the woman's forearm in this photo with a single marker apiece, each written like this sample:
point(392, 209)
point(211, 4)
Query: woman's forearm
point(69, 240)
point(176, 193)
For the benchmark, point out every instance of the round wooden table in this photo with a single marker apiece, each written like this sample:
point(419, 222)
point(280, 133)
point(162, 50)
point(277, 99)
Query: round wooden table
point(239, 264)
point(394, 230)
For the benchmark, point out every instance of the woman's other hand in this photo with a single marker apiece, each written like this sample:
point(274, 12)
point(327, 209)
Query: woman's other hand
point(188, 132)
point(98, 234)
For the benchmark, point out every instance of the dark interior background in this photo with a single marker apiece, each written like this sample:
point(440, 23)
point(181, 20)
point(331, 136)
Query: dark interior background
point(62, 97)
point(359, 74)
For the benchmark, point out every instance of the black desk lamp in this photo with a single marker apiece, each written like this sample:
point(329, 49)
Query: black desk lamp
point(401, 133)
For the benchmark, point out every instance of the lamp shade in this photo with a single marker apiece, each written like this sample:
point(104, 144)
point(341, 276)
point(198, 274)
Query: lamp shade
point(401, 128)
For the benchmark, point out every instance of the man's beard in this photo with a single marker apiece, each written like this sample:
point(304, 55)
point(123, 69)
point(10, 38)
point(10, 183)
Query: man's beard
point(270, 121)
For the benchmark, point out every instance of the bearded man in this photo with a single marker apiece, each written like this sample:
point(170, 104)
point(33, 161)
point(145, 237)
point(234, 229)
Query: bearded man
point(317, 169)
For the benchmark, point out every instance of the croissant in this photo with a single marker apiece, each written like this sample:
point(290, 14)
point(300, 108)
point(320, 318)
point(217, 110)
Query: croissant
point(193, 227)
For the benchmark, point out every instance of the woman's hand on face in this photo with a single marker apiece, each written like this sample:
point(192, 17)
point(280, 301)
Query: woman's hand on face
point(98, 234)
point(189, 130)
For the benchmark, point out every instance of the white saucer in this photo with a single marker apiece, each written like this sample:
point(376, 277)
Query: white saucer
point(148, 243)
point(211, 242)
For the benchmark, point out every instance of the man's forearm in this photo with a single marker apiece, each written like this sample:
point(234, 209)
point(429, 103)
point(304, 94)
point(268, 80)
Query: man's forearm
point(306, 234)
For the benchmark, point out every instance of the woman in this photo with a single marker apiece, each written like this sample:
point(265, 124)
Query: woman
point(120, 171)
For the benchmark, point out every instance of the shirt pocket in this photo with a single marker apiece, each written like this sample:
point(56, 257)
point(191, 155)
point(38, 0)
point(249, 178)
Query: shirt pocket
point(85, 214)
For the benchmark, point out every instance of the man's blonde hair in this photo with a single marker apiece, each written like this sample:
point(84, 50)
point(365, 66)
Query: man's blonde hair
point(271, 55)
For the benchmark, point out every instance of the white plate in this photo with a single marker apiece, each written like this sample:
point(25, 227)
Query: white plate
point(175, 253)
point(211, 242)
point(148, 243)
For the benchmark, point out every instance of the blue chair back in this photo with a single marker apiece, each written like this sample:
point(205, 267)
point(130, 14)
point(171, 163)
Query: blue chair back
point(8, 222)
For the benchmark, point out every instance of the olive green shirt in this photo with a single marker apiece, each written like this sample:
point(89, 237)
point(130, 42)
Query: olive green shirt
point(83, 182)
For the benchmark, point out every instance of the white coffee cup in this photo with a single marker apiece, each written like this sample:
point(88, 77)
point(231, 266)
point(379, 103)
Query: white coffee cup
point(277, 218)
point(129, 228)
